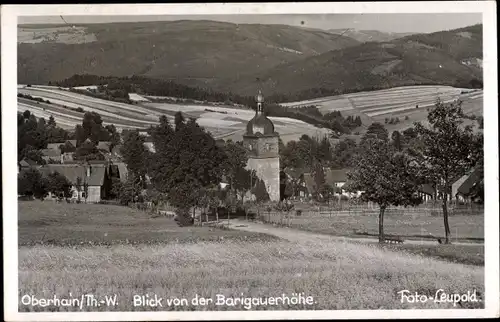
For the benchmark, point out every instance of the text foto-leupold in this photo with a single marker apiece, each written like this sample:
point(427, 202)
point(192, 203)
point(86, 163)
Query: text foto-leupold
point(439, 297)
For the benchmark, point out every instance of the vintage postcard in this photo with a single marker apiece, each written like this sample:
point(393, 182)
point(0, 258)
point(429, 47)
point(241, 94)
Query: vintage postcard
point(250, 161)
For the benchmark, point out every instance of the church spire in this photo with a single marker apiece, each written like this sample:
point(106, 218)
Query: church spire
point(260, 100)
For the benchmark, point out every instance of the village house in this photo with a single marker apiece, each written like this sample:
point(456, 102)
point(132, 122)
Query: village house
point(96, 176)
point(57, 145)
point(427, 192)
point(461, 190)
point(297, 179)
point(54, 154)
point(26, 164)
point(335, 178)
point(104, 146)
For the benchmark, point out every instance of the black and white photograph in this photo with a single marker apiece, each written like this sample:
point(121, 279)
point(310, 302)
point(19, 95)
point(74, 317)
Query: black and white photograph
point(250, 161)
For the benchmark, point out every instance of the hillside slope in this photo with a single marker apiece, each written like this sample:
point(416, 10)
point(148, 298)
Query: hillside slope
point(447, 58)
point(191, 52)
point(369, 35)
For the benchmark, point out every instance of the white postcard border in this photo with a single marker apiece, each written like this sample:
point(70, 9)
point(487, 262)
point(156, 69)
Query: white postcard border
point(9, 151)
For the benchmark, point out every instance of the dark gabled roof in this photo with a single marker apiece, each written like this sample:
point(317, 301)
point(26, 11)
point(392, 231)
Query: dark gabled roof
point(27, 162)
point(104, 145)
point(473, 178)
point(122, 170)
point(51, 153)
point(73, 171)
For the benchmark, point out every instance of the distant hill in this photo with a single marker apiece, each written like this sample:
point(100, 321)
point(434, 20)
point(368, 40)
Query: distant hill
point(191, 52)
point(369, 35)
point(447, 58)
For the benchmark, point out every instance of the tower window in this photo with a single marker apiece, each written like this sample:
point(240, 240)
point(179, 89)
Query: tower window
point(250, 147)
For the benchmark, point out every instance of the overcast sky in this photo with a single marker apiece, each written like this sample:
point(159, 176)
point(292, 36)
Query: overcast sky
point(384, 22)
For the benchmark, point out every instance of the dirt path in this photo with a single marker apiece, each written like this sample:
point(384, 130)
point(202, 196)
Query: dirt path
point(302, 236)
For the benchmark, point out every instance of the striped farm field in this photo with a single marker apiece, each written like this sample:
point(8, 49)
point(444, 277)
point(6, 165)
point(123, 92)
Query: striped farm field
point(222, 122)
point(394, 100)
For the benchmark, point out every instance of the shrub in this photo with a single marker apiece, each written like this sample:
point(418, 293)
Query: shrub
point(183, 217)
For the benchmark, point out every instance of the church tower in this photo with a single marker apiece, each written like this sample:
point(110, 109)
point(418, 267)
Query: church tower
point(263, 150)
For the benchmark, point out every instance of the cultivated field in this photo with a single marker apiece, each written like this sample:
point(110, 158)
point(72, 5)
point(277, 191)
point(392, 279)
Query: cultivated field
point(65, 35)
point(222, 122)
point(338, 275)
point(396, 102)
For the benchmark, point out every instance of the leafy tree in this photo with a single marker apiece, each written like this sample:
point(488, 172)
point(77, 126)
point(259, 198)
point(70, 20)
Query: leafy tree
point(114, 136)
point(234, 166)
point(128, 191)
point(58, 185)
point(116, 188)
point(376, 130)
point(162, 134)
point(86, 190)
point(178, 120)
point(135, 155)
point(396, 140)
point(343, 153)
point(52, 122)
point(189, 162)
point(260, 191)
point(79, 184)
point(289, 158)
point(319, 180)
point(448, 150)
point(30, 132)
point(324, 150)
point(30, 182)
point(358, 121)
point(385, 176)
point(31, 153)
point(80, 135)
point(410, 134)
point(88, 151)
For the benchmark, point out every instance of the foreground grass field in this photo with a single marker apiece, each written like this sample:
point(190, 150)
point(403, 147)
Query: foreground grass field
point(338, 275)
point(408, 225)
point(76, 224)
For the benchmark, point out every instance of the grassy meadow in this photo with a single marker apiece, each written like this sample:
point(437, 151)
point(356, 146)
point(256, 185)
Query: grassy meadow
point(338, 275)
